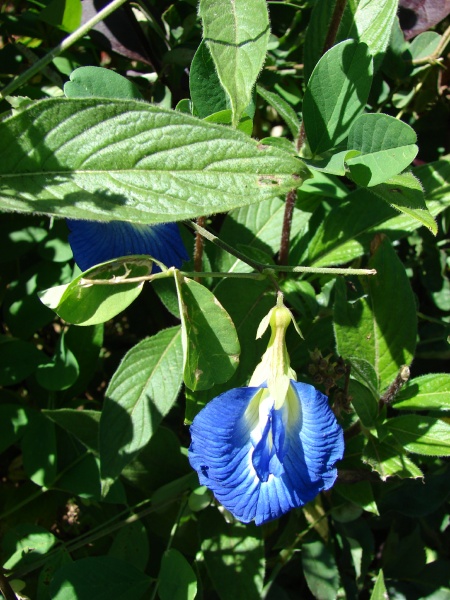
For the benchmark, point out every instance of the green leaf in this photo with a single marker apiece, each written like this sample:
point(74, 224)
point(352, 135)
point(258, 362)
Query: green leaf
point(13, 420)
point(336, 94)
point(421, 435)
point(388, 459)
point(65, 14)
point(285, 110)
point(18, 359)
point(224, 117)
point(360, 493)
point(372, 25)
point(394, 314)
point(319, 567)
point(232, 547)
point(404, 192)
point(24, 544)
point(39, 449)
point(387, 147)
point(236, 33)
point(88, 82)
point(99, 159)
point(62, 372)
point(177, 580)
point(83, 424)
point(83, 303)
point(364, 403)
point(130, 544)
point(427, 392)
point(210, 343)
point(100, 577)
point(379, 591)
point(140, 393)
point(206, 90)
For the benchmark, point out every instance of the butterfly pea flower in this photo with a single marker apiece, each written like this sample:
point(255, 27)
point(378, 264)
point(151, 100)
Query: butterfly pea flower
point(269, 447)
point(94, 242)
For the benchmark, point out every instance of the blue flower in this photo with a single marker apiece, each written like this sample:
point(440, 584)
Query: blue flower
point(94, 242)
point(269, 447)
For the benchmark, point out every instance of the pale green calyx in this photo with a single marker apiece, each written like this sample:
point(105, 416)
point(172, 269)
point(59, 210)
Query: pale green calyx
point(275, 368)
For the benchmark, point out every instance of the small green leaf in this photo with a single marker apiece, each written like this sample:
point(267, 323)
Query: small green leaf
point(224, 117)
point(177, 580)
point(336, 94)
point(84, 303)
point(421, 435)
point(210, 343)
point(65, 14)
point(88, 82)
point(236, 33)
point(206, 90)
point(232, 547)
point(404, 192)
point(140, 393)
point(379, 591)
point(320, 569)
point(388, 459)
point(99, 577)
point(364, 403)
point(360, 493)
point(13, 420)
point(428, 392)
point(387, 147)
point(104, 159)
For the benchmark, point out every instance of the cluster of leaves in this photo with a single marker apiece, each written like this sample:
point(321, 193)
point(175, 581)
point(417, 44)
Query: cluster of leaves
point(98, 498)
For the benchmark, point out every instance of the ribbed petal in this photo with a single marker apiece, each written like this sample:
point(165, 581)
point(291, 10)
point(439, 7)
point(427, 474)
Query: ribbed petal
point(95, 242)
point(292, 461)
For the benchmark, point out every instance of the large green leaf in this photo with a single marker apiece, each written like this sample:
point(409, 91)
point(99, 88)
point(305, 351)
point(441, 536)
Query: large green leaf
point(421, 434)
point(99, 159)
point(210, 343)
point(18, 359)
point(235, 548)
point(320, 569)
point(386, 146)
point(336, 94)
point(236, 33)
point(141, 392)
point(89, 82)
point(427, 392)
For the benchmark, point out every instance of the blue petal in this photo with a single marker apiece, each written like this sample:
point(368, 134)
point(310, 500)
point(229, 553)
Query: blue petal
point(291, 462)
point(95, 242)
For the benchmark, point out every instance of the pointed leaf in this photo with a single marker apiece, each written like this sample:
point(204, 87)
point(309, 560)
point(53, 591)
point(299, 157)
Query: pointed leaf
point(141, 392)
point(404, 192)
point(379, 591)
point(100, 159)
point(388, 459)
point(336, 94)
point(285, 110)
point(237, 33)
point(206, 90)
point(83, 424)
point(177, 580)
point(210, 343)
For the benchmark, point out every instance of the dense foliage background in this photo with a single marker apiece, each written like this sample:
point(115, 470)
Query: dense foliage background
point(103, 503)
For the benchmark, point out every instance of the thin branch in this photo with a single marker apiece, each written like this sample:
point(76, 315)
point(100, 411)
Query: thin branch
point(198, 248)
point(64, 45)
point(291, 197)
point(6, 589)
point(334, 25)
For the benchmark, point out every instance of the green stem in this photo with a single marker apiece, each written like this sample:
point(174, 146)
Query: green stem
point(64, 45)
point(169, 273)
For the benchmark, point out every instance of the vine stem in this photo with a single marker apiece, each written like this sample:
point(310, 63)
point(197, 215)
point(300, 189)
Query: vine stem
point(57, 50)
point(291, 196)
point(198, 248)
